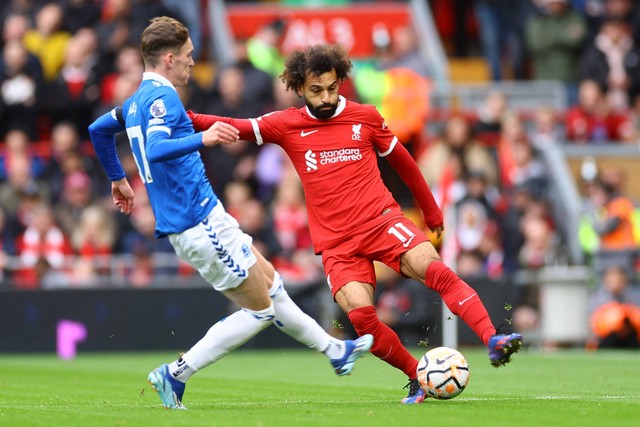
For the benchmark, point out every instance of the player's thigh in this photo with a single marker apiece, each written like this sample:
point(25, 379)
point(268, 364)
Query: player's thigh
point(343, 265)
point(415, 261)
point(217, 249)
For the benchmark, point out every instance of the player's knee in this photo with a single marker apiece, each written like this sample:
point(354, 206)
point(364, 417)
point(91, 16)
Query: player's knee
point(276, 287)
point(265, 315)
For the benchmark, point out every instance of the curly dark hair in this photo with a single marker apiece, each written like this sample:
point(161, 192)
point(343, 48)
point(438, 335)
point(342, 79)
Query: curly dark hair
point(315, 60)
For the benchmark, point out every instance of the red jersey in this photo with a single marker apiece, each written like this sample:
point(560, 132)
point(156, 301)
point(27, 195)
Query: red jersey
point(336, 160)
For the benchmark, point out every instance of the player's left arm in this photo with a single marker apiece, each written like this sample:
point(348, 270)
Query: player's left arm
point(401, 160)
point(102, 133)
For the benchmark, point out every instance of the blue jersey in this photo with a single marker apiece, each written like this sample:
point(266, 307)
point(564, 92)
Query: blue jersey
point(165, 149)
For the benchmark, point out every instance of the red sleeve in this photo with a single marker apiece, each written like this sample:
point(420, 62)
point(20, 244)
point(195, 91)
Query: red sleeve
point(204, 121)
point(408, 170)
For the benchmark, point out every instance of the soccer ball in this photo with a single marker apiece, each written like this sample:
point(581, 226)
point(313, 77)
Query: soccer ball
point(443, 373)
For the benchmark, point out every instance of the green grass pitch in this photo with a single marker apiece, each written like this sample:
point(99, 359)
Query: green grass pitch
point(297, 388)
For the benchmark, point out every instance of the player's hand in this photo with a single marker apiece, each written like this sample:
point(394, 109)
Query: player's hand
point(437, 231)
point(220, 133)
point(122, 195)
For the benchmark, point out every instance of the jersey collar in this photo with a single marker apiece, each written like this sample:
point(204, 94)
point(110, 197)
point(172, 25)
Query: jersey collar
point(148, 75)
point(342, 103)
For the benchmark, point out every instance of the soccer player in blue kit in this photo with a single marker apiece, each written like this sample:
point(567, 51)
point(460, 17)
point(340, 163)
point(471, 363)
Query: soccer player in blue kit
point(189, 214)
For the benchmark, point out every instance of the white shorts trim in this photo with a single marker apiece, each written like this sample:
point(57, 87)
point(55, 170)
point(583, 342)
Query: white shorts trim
point(217, 248)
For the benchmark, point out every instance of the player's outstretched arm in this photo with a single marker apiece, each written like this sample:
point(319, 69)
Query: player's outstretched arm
point(219, 133)
point(204, 122)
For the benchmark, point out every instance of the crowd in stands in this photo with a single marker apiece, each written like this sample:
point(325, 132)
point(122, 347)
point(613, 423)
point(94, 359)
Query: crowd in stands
point(65, 62)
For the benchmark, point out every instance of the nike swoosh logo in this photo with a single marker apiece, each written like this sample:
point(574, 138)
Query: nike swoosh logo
point(440, 361)
point(466, 299)
point(408, 242)
point(303, 133)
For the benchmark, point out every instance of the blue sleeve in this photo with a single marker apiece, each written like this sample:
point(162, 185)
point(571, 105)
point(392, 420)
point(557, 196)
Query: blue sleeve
point(161, 147)
point(102, 132)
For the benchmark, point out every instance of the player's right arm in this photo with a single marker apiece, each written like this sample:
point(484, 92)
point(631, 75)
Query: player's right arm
point(102, 132)
point(257, 129)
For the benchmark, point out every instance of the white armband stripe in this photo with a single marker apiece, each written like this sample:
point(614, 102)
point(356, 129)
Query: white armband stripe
point(393, 144)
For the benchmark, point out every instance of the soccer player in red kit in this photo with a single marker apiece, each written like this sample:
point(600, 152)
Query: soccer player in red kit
point(353, 218)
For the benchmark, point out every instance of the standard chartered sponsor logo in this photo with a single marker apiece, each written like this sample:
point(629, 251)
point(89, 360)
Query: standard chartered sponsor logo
point(331, 157)
point(341, 155)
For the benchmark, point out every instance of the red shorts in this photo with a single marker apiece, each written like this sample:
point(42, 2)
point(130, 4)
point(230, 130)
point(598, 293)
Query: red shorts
point(352, 260)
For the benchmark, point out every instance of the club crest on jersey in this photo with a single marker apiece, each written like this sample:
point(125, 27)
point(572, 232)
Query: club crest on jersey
point(246, 251)
point(356, 132)
point(158, 109)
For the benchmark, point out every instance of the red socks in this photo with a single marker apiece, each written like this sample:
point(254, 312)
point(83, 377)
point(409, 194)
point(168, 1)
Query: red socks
point(386, 343)
point(462, 299)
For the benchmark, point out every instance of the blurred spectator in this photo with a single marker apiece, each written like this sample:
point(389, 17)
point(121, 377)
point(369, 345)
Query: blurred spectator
point(236, 194)
point(615, 311)
point(555, 39)
point(118, 85)
point(613, 60)
point(226, 163)
point(546, 129)
point(612, 216)
point(516, 159)
point(272, 164)
point(263, 48)
point(74, 94)
point(490, 114)
point(14, 27)
point(80, 14)
point(21, 87)
point(75, 198)
point(141, 243)
point(191, 16)
point(47, 40)
point(21, 185)
point(297, 261)
point(501, 25)
point(41, 248)
point(457, 135)
point(27, 8)
point(597, 11)
point(634, 119)
point(93, 238)
point(258, 223)
point(520, 200)
point(17, 145)
point(592, 120)
point(403, 52)
point(66, 156)
point(541, 247)
point(122, 23)
point(229, 98)
point(258, 84)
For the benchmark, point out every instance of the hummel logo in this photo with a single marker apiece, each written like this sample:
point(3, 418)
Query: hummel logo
point(303, 133)
point(466, 299)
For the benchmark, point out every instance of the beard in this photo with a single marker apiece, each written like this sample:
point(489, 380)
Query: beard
point(323, 111)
